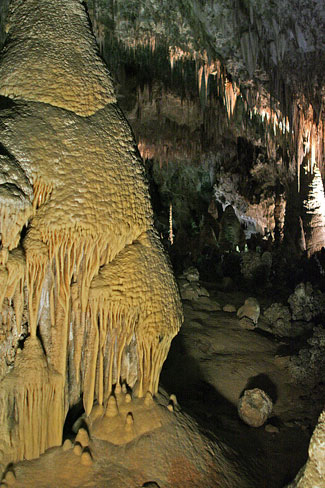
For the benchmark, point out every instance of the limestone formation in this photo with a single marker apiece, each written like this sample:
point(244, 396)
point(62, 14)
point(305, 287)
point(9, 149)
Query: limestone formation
point(67, 445)
point(82, 437)
point(312, 475)
point(77, 450)
point(79, 255)
point(255, 266)
point(255, 407)
point(251, 311)
point(86, 458)
point(306, 303)
point(231, 234)
point(278, 320)
point(10, 478)
point(189, 285)
point(313, 209)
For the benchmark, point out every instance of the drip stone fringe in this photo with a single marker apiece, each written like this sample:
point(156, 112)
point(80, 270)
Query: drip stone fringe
point(32, 396)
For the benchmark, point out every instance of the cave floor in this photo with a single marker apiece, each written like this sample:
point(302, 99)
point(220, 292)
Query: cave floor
point(211, 361)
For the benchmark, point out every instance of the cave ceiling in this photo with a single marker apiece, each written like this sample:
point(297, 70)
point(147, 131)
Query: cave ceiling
point(193, 76)
point(191, 73)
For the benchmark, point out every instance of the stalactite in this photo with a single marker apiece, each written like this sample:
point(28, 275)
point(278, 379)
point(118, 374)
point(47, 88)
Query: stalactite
point(14, 287)
point(230, 97)
point(42, 193)
point(171, 236)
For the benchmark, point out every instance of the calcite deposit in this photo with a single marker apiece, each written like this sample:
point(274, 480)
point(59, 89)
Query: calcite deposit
point(83, 275)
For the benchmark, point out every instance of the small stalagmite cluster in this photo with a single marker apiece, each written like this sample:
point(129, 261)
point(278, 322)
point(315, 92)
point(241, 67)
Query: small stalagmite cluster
point(88, 298)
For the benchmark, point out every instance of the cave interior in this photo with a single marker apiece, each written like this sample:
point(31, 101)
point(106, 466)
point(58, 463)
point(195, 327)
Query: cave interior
point(162, 258)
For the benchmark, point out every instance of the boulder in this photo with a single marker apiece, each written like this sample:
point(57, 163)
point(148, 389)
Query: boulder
point(250, 310)
point(255, 407)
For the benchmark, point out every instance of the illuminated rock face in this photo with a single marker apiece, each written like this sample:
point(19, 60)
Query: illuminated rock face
point(313, 210)
point(80, 261)
point(312, 475)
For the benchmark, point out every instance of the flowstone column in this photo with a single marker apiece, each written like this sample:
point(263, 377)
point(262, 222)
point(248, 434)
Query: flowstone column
point(88, 299)
point(312, 189)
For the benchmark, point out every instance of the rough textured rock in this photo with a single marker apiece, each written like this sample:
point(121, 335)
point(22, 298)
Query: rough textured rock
point(255, 407)
point(205, 303)
point(231, 234)
point(255, 265)
point(81, 84)
point(189, 284)
point(312, 475)
point(278, 321)
point(191, 274)
point(250, 310)
point(78, 243)
point(305, 303)
point(308, 366)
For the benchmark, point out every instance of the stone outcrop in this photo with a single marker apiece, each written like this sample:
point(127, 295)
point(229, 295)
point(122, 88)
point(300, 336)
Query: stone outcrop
point(278, 320)
point(312, 475)
point(306, 303)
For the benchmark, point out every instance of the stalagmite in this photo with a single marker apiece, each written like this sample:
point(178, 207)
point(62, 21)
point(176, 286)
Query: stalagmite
point(79, 253)
point(82, 437)
point(86, 458)
point(77, 450)
point(312, 192)
point(67, 445)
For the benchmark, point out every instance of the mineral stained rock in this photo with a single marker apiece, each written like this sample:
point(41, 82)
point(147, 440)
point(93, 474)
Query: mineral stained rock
point(79, 255)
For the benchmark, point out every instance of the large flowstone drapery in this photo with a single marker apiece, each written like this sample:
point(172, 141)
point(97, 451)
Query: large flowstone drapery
point(88, 298)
